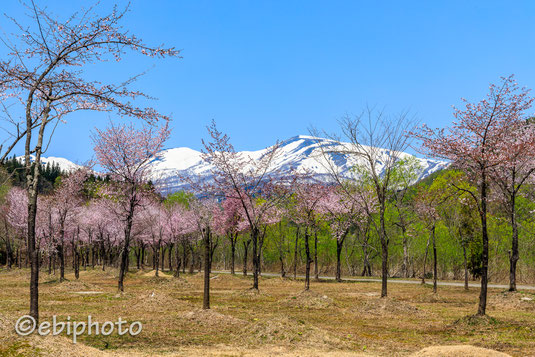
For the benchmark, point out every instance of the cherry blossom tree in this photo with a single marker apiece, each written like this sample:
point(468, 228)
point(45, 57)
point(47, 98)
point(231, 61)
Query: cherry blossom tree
point(67, 199)
point(16, 211)
point(477, 143)
point(44, 71)
point(377, 141)
point(307, 199)
point(426, 206)
point(343, 212)
point(511, 175)
point(180, 228)
point(228, 223)
point(243, 178)
point(156, 222)
point(203, 217)
point(124, 152)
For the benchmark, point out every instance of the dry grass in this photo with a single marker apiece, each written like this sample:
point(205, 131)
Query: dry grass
point(333, 319)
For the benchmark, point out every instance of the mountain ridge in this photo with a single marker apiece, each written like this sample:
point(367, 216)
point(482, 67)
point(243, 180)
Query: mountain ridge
point(300, 153)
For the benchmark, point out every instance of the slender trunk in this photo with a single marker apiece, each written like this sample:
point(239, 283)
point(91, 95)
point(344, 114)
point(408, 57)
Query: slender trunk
point(33, 252)
point(184, 255)
point(513, 255)
point(157, 258)
point(232, 253)
point(384, 249)
point(61, 254)
point(207, 261)
point(163, 256)
point(256, 260)
point(170, 256)
point(142, 255)
point(192, 265)
point(339, 244)
point(178, 262)
point(281, 251)
point(482, 307)
point(32, 184)
point(308, 261)
point(245, 253)
point(435, 273)
point(213, 247)
point(425, 260)
point(295, 252)
point(93, 253)
point(316, 268)
point(76, 255)
point(366, 270)
point(405, 266)
point(137, 252)
point(126, 246)
point(465, 268)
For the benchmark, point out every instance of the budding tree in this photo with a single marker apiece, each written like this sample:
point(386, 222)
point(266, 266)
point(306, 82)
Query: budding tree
point(124, 152)
point(246, 179)
point(44, 71)
point(376, 141)
point(478, 143)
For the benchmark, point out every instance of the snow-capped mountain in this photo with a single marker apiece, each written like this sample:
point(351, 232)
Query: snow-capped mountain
point(300, 153)
point(64, 164)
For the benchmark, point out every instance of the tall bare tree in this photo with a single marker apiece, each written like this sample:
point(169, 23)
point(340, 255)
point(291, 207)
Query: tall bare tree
point(377, 141)
point(44, 71)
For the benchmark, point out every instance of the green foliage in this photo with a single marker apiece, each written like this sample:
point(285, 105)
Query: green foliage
point(49, 174)
point(182, 198)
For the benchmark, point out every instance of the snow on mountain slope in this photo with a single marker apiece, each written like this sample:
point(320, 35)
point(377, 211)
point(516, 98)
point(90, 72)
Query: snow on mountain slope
point(298, 153)
point(64, 164)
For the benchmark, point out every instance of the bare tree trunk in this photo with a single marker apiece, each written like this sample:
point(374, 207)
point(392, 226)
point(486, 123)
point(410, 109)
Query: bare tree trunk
point(32, 184)
point(465, 268)
point(170, 256)
point(137, 252)
point(308, 261)
point(316, 268)
point(142, 255)
point(178, 262)
point(61, 254)
point(513, 254)
point(207, 261)
point(482, 307)
point(184, 255)
point(435, 272)
point(384, 249)
point(295, 252)
point(339, 245)
point(256, 258)
point(34, 253)
point(157, 259)
point(245, 253)
point(192, 265)
point(76, 255)
point(405, 267)
point(233, 253)
point(126, 247)
point(425, 260)
point(366, 270)
point(162, 249)
point(50, 264)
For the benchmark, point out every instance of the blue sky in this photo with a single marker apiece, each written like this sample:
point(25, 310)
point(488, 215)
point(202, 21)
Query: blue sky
point(268, 70)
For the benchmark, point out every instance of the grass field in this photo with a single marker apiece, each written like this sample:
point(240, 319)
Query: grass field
point(332, 319)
